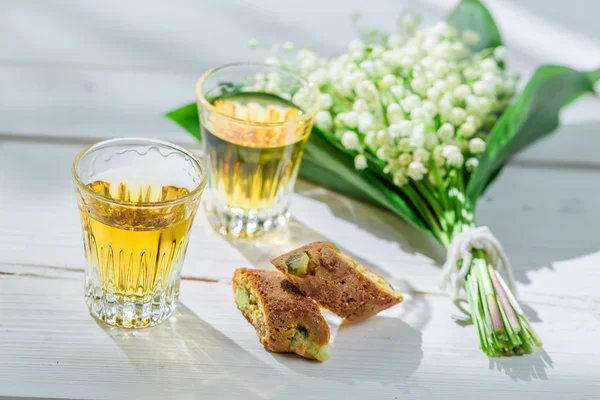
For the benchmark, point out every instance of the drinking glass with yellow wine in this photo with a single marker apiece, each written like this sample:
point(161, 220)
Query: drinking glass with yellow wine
point(255, 121)
point(137, 200)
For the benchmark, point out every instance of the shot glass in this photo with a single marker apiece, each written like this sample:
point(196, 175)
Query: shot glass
point(137, 200)
point(255, 120)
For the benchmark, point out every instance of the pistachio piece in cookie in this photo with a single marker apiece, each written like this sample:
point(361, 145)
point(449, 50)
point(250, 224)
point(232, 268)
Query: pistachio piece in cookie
point(297, 263)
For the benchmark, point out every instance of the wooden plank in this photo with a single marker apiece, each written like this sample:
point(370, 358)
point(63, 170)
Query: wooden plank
point(190, 36)
point(414, 350)
point(540, 219)
point(181, 34)
point(89, 105)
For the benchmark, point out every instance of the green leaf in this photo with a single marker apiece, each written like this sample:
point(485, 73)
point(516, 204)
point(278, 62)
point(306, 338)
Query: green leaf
point(533, 115)
point(471, 14)
point(187, 118)
point(327, 166)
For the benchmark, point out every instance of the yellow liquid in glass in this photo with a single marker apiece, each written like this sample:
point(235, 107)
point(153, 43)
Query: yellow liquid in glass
point(250, 165)
point(135, 251)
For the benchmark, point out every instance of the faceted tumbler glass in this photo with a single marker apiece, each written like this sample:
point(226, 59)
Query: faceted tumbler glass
point(137, 200)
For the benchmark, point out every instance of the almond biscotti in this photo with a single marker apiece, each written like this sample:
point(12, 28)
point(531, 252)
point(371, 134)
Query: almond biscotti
point(285, 320)
point(336, 281)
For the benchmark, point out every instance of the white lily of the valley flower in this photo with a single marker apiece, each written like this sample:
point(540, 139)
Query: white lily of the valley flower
point(404, 159)
point(462, 91)
point(476, 145)
point(500, 53)
point(446, 131)
point(441, 86)
point(387, 81)
point(383, 137)
point(482, 88)
point(350, 140)
point(437, 155)
point(370, 138)
point(323, 120)
point(489, 65)
point(416, 170)
point(384, 153)
point(406, 62)
point(360, 162)
point(427, 62)
point(318, 77)
point(400, 129)
point(467, 129)
point(453, 80)
point(365, 122)
point(368, 66)
point(421, 155)
point(326, 101)
point(397, 91)
point(410, 102)
point(470, 74)
point(360, 106)
point(356, 46)
point(350, 81)
point(459, 50)
point(308, 65)
point(471, 164)
point(350, 119)
point(433, 93)
point(418, 85)
point(453, 156)
point(400, 178)
point(366, 90)
point(474, 120)
point(394, 113)
point(417, 137)
point(404, 144)
point(429, 43)
point(395, 41)
point(442, 51)
point(457, 115)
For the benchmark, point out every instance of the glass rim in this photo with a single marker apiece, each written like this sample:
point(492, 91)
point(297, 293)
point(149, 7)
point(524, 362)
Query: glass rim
point(305, 116)
point(192, 193)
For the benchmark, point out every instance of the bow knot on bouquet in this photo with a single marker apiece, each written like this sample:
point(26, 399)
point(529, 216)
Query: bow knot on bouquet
point(420, 122)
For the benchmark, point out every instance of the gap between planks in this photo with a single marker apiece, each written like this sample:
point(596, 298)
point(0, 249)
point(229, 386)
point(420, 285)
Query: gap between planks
point(532, 298)
point(192, 145)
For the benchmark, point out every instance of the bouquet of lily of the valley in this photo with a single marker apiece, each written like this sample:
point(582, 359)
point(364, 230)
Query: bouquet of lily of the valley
point(421, 122)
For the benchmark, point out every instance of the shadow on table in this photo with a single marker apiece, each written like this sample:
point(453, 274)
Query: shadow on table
point(524, 368)
point(393, 355)
point(185, 353)
point(378, 222)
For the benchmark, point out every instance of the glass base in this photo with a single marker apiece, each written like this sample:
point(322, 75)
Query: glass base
point(240, 224)
point(129, 311)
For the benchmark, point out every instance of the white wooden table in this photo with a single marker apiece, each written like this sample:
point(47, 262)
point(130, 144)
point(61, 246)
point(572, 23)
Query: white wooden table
point(74, 72)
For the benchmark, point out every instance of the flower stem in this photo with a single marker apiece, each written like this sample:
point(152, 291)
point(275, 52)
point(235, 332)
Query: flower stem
point(502, 327)
point(427, 214)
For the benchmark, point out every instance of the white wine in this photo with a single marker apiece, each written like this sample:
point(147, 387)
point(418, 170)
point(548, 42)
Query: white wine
point(135, 251)
point(253, 166)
